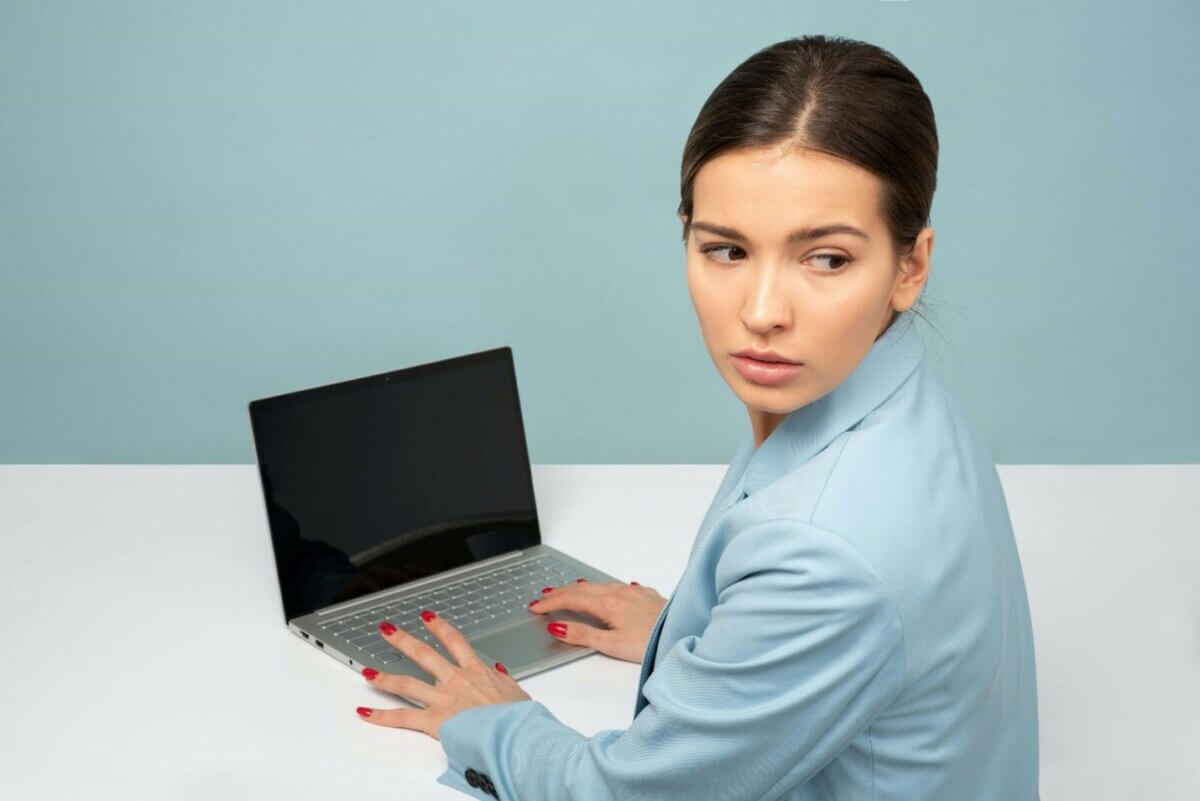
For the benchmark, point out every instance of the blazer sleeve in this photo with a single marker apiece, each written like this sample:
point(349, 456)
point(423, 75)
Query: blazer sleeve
point(804, 649)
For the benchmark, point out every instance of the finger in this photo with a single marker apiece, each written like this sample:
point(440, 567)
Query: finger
point(403, 685)
point(425, 655)
point(598, 605)
point(454, 640)
point(580, 634)
point(416, 719)
point(587, 587)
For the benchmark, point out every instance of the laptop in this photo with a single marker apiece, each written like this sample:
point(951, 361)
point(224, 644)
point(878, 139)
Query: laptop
point(410, 490)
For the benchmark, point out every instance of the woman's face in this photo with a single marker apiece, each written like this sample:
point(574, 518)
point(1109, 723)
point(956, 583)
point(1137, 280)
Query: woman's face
point(820, 301)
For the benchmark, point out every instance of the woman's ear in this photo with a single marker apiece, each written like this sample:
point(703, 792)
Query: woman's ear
point(916, 271)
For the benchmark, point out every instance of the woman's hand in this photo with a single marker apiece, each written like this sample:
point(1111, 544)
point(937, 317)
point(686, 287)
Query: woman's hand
point(467, 684)
point(629, 610)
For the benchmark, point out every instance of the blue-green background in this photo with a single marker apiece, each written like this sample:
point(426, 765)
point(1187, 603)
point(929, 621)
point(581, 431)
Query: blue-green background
point(203, 203)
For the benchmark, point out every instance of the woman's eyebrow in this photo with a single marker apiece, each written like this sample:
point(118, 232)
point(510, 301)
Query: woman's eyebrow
point(799, 235)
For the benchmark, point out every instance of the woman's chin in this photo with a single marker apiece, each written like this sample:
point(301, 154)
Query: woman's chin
point(769, 400)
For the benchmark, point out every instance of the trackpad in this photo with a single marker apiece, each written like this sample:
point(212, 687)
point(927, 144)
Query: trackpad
point(522, 645)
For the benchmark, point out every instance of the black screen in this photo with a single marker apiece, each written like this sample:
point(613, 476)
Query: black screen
point(381, 480)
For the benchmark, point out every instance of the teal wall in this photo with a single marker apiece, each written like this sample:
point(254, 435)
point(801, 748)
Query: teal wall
point(203, 203)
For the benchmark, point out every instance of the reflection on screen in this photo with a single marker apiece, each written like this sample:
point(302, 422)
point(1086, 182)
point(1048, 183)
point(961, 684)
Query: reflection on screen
point(382, 480)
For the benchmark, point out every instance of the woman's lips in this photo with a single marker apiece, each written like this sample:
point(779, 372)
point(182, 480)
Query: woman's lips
point(768, 373)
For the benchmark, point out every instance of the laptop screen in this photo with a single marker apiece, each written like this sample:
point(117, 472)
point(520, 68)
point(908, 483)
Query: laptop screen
point(381, 480)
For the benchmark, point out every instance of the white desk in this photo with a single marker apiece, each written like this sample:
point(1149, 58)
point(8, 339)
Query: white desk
point(145, 655)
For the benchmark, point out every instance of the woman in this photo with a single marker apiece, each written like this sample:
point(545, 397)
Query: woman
point(852, 621)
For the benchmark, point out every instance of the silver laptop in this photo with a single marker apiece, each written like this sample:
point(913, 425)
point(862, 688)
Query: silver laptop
point(411, 490)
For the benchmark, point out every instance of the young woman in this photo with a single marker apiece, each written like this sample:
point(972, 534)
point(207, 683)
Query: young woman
point(852, 621)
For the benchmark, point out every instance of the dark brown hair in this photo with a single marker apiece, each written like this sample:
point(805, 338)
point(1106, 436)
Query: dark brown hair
point(835, 95)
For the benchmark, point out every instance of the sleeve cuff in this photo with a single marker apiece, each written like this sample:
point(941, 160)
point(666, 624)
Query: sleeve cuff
point(453, 777)
point(480, 742)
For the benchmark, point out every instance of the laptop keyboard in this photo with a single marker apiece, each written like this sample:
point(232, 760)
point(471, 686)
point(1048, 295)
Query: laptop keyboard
point(471, 605)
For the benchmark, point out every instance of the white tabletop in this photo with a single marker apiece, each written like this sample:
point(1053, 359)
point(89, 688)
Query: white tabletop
point(146, 654)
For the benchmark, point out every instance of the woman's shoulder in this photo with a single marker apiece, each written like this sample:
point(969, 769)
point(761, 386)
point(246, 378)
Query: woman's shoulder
point(911, 488)
point(916, 467)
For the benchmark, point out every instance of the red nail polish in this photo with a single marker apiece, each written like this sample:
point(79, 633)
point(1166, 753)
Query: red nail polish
point(634, 583)
point(387, 628)
point(534, 601)
point(364, 711)
point(501, 668)
point(557, 629)
point(546, 590)
point(579, 580)
point(370, 673)
point(427, 615)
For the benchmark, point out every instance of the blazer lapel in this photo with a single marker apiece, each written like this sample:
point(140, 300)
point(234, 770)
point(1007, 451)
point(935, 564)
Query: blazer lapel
point(724, 499)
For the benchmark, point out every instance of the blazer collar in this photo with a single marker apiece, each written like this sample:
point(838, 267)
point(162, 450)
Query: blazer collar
point(808, 429)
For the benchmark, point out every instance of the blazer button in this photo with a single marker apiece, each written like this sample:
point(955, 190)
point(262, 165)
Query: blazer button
point(472, 778)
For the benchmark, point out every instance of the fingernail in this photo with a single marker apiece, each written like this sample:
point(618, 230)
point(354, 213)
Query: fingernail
point(635, 584)
point(546, 590)
point(387, 628)
point(534, 601)
point(427, 615)
point(370, 673)
point(364, 711)
point(579, 580)
point(501, 668)
point(557, 629)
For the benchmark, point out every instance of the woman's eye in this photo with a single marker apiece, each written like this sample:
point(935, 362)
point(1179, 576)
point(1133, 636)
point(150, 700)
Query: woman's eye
point(832, 268)
point(835, 257)
point(715, 248)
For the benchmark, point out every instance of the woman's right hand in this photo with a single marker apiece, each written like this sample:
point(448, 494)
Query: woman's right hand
point(629, 610)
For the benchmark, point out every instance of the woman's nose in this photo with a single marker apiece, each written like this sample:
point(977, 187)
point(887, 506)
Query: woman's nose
point(766, 305)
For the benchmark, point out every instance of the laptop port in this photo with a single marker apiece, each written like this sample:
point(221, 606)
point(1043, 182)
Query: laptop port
point(305, 633)
point(319, 643)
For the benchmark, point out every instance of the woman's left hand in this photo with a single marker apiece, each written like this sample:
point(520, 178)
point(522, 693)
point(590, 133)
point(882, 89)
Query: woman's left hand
point(458, 687)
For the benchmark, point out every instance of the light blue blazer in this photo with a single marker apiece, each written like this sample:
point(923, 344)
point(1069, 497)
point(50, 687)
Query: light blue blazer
point(852, 623)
